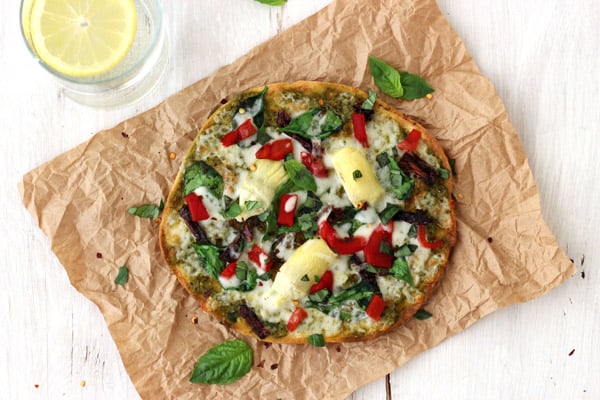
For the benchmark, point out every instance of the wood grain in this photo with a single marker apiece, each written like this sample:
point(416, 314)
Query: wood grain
point(542, 56)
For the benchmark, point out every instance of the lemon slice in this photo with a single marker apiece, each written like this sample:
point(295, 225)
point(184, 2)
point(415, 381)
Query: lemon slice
point(82, 37)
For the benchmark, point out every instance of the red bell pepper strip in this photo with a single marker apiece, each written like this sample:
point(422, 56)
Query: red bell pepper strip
point(375, 307)
point(411, 142)
point(276, 150)
point(197, 210)
point(373, 254)
point(315, 165)
point(359, 123)
point(326, 282)
point(244, 131)
point(296, 318)
point(260, 258)
point(229, 270)
point(287, 209)
point(423, 241)
point(347, 245)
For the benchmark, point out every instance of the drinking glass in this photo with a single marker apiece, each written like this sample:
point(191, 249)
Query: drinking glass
point(134, 76)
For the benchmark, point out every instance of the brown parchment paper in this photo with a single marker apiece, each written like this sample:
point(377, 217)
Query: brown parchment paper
point(80, 200)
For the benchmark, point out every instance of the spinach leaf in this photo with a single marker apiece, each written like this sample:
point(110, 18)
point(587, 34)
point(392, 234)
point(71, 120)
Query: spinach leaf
point(414, 86)
point(201, 174)
point(209, 258)
point(400, 270)
point(386, 77)
point(122, 276)
point(300, 175)
point(388, 213)
point(402, 184)
point(273, 2)
point(224, 363)
point(147, 210)
point(318, 122)
point(316, 339)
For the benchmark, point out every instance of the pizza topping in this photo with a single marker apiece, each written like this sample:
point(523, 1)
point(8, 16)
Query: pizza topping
point(296, 318)
point(367, 188)
point(229, 271)
point(258, 189)
point(287, 209)
point(276, 150)
point(319, 122)
point(400, 270)
point(347, 245)
point(197, 210)
point(416, 167)
point(200, 174)
point(423, 241)
point(402, 185)
point(315, 165)
point(257, 326)
point(300, 175)
point(325, 282)
point(209, 259)
point(242, 132)
point(411, 142)
point(262, 260)
point(376, 307)
point(373, 249)
point(194, 227)
point(359, 124)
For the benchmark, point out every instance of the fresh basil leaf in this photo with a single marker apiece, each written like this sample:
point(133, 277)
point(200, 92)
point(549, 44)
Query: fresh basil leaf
point(253, 106)
point(247, 275)
point(122, 276)
point(386, 77)
point(400, 270)
point(422, 314)
point(209, 258)
point(300, 175)
point(252, 205)
point(412, 232)
point(224, 363)
point(233, 210)
point(201, 174)
point(262, 136)
point(318, 122)
point(402, 184)
point(388, 213)
point(273, 2)
point(370, 101)
point(316, 339)
point(414, 86)
point(146, 210)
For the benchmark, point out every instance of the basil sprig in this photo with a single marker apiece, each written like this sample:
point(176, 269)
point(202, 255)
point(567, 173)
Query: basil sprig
point(147, 210)
point(319, 122)
point(402, 184)
point(201, 174)
point(224, 363)
point(401, 85)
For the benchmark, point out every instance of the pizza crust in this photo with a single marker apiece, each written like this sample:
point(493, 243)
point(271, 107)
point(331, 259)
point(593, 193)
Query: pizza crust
point(176, 251)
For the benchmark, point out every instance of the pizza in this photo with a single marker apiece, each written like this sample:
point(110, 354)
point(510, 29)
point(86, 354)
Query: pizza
point(310, 211)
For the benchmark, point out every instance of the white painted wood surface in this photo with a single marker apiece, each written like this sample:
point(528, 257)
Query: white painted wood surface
point(544, 58)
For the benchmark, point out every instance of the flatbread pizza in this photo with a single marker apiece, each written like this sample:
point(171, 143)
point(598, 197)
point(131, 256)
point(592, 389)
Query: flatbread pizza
point(310, 211)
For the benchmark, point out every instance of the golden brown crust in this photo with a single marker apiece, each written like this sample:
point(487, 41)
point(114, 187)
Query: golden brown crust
point(310, 89)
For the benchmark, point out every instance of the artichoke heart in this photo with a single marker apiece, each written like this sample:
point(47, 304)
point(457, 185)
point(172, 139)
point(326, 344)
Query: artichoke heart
point(258, 189)
point(296, 275)
point(357, 175)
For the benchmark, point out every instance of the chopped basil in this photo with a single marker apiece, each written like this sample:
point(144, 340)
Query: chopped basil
point(201, 174)
point(422, 314)
point(252, 205)
point(122, 276)
point(401, 85)
point(412, 232)
point(345, 315)
point(452, 163)
point(356, 174)
point(370, 101)
point(305, 278)
point(147, 210)
point(444, 173)
point(247, 275)
point(300, 175)
point(406, 250)
point(233, 210)
point(400, 270)
point(224, 363)
point(209, 258)
point(319, 122)
point(264, 277)
point(385, 248)
point(402, 184)
point(316, 339)
point(262, 136)
point(382, 159)
point(388, 213)
point(319, 296)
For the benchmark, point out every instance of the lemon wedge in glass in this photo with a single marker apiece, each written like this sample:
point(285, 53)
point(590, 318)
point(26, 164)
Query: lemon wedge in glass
point(82, 38)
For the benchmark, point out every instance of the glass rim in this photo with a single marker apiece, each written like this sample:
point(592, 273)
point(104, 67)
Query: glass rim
point(158, 34)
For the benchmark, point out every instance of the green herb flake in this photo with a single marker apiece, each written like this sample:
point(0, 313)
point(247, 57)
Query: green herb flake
point(370, 101)
point(223, 364)
point(400, 270)
point(402, 184)
point(356, 174)
point(316, 339)
point(122, 276)
point(385, 248)
point(388, 213)
point(233, 210)
point(412, 232)
point(305, 278)
point(151, 211)
point(443, 173)
point(252, 205)
point(405, 250)
point(452, 163)
point(422, 314)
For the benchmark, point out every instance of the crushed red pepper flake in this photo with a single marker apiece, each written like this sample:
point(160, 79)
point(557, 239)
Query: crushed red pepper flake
point(490, 240)
point(571, 353)
point(582, 260)
point(98, 255)
point(267, 345)
point(261, 364)
point(582, 274)
point(338, 349)
point(274, 366)
point(36, 386)
point(172, 156)
point(125, 135)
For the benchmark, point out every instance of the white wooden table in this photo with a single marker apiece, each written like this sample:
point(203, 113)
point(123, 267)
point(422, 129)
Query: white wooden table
point(544, 58)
